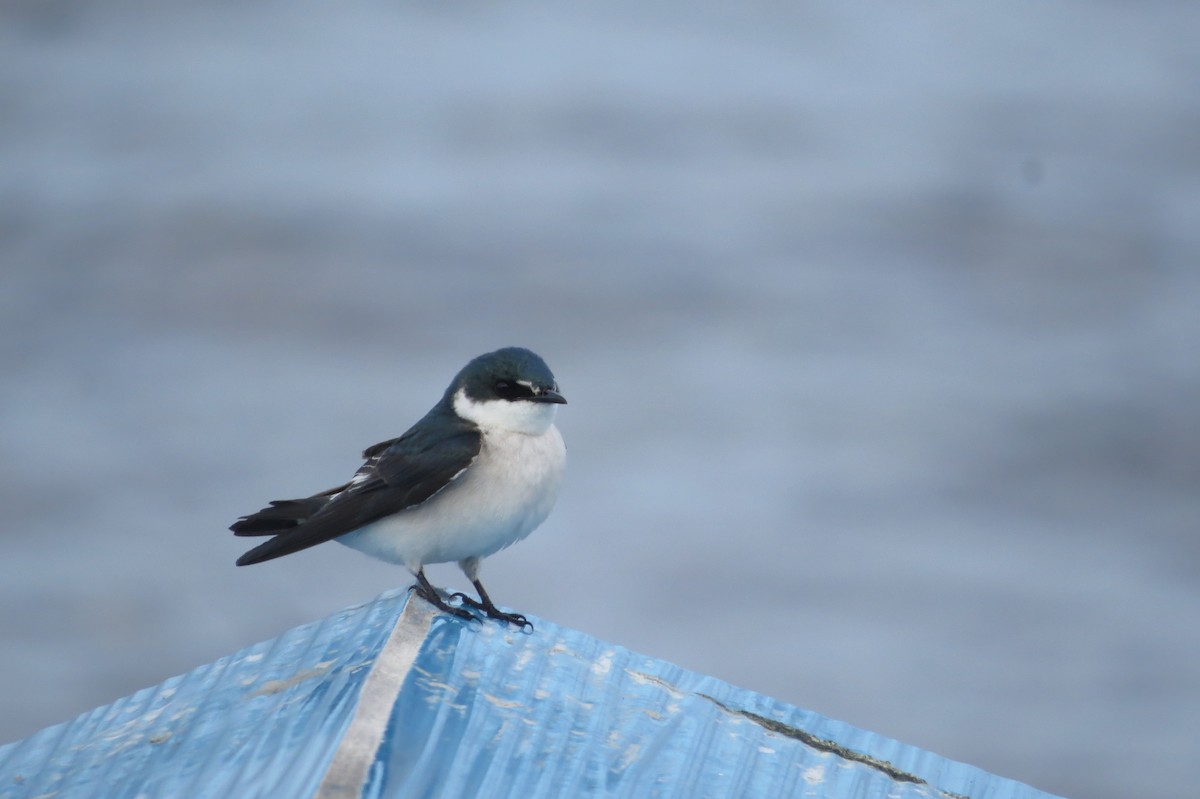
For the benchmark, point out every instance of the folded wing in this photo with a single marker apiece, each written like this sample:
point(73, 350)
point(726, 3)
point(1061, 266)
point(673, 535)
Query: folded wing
point(398, 474)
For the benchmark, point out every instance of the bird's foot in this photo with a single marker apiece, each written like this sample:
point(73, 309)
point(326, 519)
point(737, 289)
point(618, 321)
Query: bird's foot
point(510, 618)
point(493, 612)
point(435, 599)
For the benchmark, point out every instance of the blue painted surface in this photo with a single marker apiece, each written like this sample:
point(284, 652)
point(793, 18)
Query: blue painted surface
point(487, 711)
point(492, 712)
point(261, 722)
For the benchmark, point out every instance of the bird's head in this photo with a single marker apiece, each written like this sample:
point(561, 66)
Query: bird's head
point(510, 389)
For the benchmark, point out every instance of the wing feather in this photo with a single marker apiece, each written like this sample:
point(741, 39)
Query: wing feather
point(399, 473)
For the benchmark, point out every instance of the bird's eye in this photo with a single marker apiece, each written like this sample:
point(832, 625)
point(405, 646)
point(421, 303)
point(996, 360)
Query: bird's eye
point(506, 389)
point(510, 390)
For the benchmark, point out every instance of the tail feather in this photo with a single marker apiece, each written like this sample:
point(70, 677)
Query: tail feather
point(279, 517)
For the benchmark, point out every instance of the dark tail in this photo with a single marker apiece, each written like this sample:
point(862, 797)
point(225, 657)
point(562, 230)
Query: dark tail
point(287, 521)
point(280, 516)
point(291, 525)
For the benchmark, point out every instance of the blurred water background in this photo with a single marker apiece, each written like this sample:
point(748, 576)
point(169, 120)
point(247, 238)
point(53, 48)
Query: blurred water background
point(878, 322)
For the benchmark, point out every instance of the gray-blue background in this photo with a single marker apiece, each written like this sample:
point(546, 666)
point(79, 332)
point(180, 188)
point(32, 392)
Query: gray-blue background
point(879, 325)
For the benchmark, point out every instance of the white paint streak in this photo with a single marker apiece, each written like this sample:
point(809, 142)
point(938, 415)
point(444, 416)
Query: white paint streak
point(347, 773)
point(603, 664)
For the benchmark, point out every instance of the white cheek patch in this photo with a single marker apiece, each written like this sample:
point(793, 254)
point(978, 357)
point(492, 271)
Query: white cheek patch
point(517, 416)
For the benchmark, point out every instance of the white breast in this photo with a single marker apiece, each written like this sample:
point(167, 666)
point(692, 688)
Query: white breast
point(508, 490)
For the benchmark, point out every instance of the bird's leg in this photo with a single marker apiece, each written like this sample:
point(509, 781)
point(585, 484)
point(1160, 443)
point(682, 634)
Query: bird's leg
point(487, 606)
point(426, 591)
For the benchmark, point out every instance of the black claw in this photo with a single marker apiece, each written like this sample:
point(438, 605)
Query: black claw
point(468, 601)
point(512, 618)
point(465, 615)
point(493, 612)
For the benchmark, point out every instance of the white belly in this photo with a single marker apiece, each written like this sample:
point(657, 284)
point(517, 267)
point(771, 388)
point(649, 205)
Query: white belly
point(508, 491)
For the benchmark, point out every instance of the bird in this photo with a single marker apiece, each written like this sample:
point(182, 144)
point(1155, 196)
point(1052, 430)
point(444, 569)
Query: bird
point(479, 472)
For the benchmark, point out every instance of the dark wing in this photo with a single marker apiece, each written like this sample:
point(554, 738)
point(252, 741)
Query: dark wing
point(398, 474)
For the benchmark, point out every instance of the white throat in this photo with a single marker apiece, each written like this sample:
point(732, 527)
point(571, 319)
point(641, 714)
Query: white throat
point(514, 416)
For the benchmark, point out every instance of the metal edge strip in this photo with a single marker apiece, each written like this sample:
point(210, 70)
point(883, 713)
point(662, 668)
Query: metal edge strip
point(351, 764)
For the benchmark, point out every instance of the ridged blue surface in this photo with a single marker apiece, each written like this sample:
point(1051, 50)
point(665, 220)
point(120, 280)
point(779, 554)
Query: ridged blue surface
point(487, 711)
point(260, 723)
point(492, 712)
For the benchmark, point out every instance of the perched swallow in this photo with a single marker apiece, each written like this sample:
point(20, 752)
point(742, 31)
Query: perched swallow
point(479, 472)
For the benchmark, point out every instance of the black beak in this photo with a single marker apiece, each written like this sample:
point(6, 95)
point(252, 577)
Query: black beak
point(549, 395)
